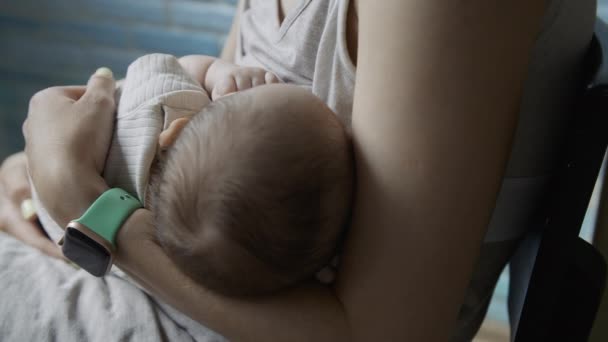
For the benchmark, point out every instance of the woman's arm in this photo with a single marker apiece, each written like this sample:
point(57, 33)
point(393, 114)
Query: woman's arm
point(14, 218)
point(437, 95)
point(436, 103)
point(310, 312)
point(230, 45)
point(198, 65)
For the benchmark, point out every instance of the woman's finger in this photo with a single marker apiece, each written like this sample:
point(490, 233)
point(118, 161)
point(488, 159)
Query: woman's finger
point(14, 178)
point(100, 90)
point(24, 129)
point(72, 92)
point(30, 235)
point(47, 247)
point(26, 231)
point(62, 93)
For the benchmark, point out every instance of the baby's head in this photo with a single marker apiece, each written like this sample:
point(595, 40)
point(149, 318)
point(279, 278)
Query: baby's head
point(255, 193)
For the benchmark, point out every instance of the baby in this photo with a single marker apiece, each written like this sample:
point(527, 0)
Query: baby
point(255, 192)
point(251, 193)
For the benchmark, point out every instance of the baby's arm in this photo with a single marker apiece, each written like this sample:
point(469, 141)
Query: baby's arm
point(220, 78)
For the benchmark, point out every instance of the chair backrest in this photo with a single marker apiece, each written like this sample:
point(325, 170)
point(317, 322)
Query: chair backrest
point(568, 277)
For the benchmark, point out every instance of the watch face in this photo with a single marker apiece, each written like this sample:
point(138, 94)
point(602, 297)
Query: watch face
point(86, 252)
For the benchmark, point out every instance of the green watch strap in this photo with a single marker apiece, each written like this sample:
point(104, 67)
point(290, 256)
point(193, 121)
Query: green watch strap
point(107, 214)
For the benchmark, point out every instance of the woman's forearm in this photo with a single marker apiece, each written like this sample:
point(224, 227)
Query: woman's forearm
point(310, 312)
point(69, 190)
point(68, 187)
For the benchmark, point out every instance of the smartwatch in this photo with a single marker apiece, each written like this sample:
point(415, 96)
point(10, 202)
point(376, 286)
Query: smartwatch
point(89, 241)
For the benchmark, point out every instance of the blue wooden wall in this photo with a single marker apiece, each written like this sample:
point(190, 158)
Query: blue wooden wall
point(51, 42)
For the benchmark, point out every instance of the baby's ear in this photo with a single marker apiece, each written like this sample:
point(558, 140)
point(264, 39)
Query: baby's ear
point(170, 134)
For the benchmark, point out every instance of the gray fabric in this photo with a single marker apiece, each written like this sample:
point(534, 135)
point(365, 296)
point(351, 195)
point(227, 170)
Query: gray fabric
point(44, 299)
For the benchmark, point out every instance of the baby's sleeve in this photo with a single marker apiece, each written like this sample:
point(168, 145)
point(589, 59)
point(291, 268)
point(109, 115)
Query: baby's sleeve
point(156, 91)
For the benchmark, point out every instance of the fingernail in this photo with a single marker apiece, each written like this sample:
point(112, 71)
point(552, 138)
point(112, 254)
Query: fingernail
point(28, 210)
point(104, 72)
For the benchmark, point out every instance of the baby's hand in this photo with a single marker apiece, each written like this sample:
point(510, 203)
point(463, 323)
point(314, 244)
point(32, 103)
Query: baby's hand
point(241, 78)
point(220, 78)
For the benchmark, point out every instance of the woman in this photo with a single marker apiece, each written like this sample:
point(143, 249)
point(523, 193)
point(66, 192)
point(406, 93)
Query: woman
point(436, 124)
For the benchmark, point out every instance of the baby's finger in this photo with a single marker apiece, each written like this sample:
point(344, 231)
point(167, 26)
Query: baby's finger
point(243, 82)
point(258, 79)
point(167, 137)
point(224, 87)
point(271, 78)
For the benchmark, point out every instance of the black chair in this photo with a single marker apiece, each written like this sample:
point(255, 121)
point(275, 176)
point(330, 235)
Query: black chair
point(562, 295)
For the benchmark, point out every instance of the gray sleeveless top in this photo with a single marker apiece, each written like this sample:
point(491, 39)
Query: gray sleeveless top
point(309, 48)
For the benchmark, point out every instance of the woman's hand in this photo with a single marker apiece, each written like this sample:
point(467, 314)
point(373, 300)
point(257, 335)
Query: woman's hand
point(15, 210)
point(72, 122)
point(68, 132)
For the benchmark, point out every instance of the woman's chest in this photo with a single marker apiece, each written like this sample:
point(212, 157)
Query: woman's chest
point(286, 6)
point(294, 32)
point(307, 47)
point(284, 40)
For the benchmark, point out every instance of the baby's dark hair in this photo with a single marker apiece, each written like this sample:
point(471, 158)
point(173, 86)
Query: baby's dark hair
point(248, 201)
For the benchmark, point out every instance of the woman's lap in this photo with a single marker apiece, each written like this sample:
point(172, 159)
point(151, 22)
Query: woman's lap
point(44, 299)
